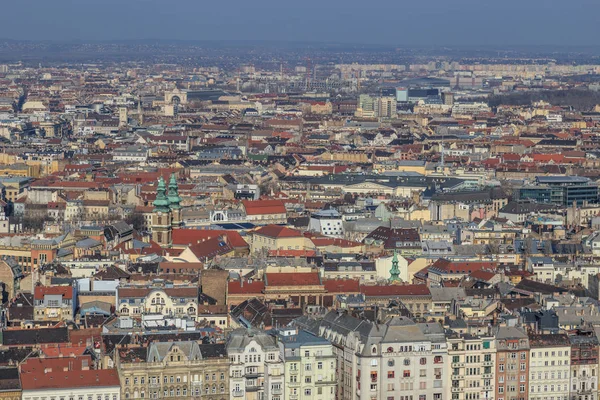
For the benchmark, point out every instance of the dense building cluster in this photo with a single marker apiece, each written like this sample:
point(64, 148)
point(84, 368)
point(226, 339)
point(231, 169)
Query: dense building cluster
point(319, 231)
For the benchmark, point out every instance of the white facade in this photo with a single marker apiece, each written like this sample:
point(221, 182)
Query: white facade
point(257, 371)
point(549, 371)
point(327, 222)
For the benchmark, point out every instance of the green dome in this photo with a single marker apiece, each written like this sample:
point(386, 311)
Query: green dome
point(174, 199)
point(161, 203)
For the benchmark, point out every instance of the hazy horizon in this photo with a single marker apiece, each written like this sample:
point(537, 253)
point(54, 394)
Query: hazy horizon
point(378, 22)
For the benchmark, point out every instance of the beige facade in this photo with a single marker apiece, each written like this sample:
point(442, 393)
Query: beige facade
point(177, 370)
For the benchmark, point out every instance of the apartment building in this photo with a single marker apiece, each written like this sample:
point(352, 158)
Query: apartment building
point(182, 370)
point(549, 367)
point(512, 363)
point(310, 366)
point(257, 370)
point(472, 364)
point(81, 385)
point(584, 366)
point(165, 300)
point(54, 303)
point(399, 359)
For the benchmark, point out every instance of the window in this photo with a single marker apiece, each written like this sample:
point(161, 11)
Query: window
point(307, 392)
point(406, 373)
point(390, 374)
point(423, 361)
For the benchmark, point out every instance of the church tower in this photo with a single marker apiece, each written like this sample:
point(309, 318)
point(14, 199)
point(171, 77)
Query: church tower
point(395, 271)
point(174, 202)
point(161, 216)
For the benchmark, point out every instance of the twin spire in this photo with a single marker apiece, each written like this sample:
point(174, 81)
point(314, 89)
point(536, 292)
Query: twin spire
point(164, 202)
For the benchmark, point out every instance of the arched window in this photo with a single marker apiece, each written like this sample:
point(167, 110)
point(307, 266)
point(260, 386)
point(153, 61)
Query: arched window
point(423, 361)
point(390, 349)
point(390, 363)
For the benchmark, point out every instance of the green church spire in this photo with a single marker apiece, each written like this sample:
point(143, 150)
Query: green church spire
point(162, 202)
point(174, 199)
point(395, 271)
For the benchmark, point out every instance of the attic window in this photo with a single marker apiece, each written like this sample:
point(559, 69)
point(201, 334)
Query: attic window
point(374, 350)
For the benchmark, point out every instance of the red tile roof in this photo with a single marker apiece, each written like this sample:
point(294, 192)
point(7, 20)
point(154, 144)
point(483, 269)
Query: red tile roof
point(193, 236)
point(63, 351)
point(236, 287)
point(211, 248)
point(33, 365)
point(276, 231)
point(70, 379)
point(449, 267)
point(395, 290)
point(292, 279)
point(342, 286)
point(41, 291)
point(483, 275)
point(264, 207)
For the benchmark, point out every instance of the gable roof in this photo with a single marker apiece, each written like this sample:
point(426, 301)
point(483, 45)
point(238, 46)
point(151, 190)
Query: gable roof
point(276, 231)
point(263, 207)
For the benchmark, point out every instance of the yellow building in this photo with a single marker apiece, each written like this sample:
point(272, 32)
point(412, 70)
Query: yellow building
point(275, 237)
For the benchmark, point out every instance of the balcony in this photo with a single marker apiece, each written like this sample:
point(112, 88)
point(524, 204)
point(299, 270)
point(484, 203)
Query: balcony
point(457, 365)
point(457, 389)
point(293, 397)
point(237, 393)
point(277, 391)
point(253, 388)
point(487, 376)
point(488, 363)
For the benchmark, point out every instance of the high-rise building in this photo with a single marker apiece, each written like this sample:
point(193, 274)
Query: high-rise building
point(385, 107)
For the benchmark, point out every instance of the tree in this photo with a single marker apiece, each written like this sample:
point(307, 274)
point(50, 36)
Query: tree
point(137, 220)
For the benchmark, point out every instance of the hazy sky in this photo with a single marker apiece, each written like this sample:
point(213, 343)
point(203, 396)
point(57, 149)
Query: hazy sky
point(395, 22)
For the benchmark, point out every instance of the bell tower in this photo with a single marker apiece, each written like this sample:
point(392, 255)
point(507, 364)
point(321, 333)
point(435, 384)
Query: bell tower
point(161, 216)
point(395, 271)
point(174, 202)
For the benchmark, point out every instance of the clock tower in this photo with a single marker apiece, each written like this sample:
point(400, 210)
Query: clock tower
point(161, 216)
